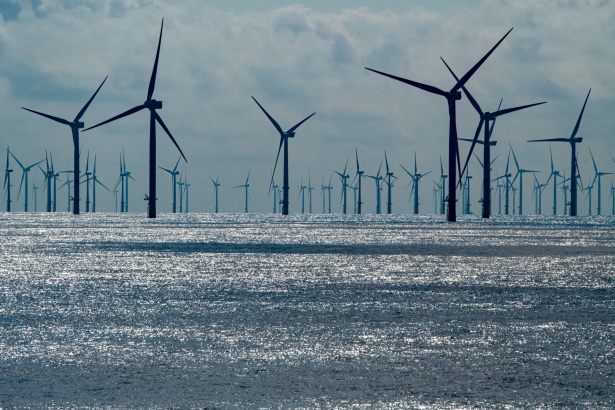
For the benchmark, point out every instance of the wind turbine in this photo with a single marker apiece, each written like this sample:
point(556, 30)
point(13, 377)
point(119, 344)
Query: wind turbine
point(87, 183)
point(378, 179)
point(573, 159)
point(274, 188)
point(181, 184)
point(75, 125)
point(310, 188)
point(24, 176)
point(416, 177)
point(67, 183)
point(485, 117)
point(328, 188)
point(216, 186)
point(49, 175)
point(302, 195)
point(354, 196)
point(94, 182)
point(7, 182)
point(538, 189)
point(389, 182)
point(284, 136)
point(597, 176)
point(520, 172)
point(34, 191)
point(442, 184)
point(152, 105)
point(174, 173)
point(612, 199)
point(246, 185)
point(358, 175)
point(187, 188)
point(344, 177)
point(483, 167)
point(554, 174)
point(451, 96)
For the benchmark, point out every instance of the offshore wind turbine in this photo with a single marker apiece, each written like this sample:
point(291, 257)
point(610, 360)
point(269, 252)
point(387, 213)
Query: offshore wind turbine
point(485, 118)
point(416, 178)
point(520, 172)
point(94, 182)
point(174, 173)
point(612, 199)
point(389, 182)
point(187, 188)
point(152, 105)
point(67, 183)
point(75, 125)
point(87, 183)
point(354, 196)
point(344, 177)
point(181, 184)
point(7, 182)
point(49, 175)
point(216, 186)
point(246, 185)
point(378, 179)
point(451, 96)
point(274, 188)
point(328, 188)
point(538, 189)
point(284, 136)
point(302, 189)
point(573, 159)
point(597, 176)
point(24, 176)
point(554, 174)
point(34, 191)
point(310, 188)
point(442, 185)
point(358, 175)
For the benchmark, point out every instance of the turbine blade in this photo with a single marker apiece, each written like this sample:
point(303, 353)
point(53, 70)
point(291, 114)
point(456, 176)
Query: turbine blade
point(470, 73)
point(425, 87)
point(467, 93)
point(297, 125)
point(176, 164)
point(164, 169)
point(407, 172)
point(386, 161)
point(168, 133)
point(152, 80)
point(51, 117)
point(593, 161)
point(276, 161)
point(551, 139)
point(275, 124)
point(85, 107)
point(509, 110)
point(576, 127)
point(101, 184)
point(117, 117)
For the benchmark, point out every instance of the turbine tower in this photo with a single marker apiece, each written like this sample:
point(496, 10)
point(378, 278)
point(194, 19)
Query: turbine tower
point(451, 96)
point(75, 125)
point(284, 136)
point(573, 158)
point(152, 105)
point(554, 174)
point(174, 173)
point(187, 188)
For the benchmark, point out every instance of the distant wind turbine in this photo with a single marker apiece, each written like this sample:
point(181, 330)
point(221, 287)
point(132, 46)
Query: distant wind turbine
point(344, 177)
point(573, 141)
point(24, 176)
point(187, 188)
point(94, 182)
point(378, 180)
point(152, 105)
point(520, 172)
point(284, 136)
point(554, 174)
point(416, 178)
point(451, 96)
point(174, 173)
point(358, 176)
point(75, 125)
point(390, 177)
point(597, 176)
point(246, 185)
point(7, 182)
point(216, 186)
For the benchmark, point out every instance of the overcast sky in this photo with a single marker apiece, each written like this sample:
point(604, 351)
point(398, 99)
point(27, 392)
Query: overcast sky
point(297, 59)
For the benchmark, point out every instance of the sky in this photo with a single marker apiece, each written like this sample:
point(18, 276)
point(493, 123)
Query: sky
point(299, 58)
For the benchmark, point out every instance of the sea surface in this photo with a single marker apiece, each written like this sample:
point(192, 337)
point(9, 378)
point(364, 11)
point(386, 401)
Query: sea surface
point(320, 311)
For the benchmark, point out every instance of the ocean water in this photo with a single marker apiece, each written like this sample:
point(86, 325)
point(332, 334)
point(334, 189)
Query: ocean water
point(322, 311)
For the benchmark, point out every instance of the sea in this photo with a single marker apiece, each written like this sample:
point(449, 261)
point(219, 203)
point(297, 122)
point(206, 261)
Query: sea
point(235, 311)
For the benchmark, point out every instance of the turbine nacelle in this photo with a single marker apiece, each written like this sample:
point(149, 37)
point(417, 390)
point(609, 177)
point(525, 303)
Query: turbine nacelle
point(153, 104)
point(79, 124)
point(289, 134)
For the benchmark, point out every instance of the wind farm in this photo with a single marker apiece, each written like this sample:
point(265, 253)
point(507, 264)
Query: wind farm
point(215, 287)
